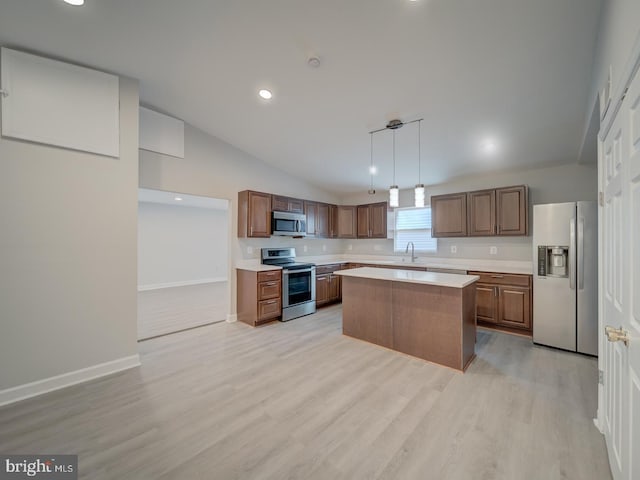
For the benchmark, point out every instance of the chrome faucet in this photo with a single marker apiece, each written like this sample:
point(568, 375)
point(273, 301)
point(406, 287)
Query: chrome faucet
point(406, 250)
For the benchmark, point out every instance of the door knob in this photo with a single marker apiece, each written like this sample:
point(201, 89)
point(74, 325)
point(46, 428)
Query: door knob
point(617, 335)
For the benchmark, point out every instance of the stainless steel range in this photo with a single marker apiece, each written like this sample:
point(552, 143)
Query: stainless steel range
point(298, 282)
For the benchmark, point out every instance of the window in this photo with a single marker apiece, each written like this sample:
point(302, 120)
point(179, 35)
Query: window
point(414, 225)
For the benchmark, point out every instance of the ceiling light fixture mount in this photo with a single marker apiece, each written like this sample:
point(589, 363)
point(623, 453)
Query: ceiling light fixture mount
point(313, 61)
point(75, 3)
point(266, 94)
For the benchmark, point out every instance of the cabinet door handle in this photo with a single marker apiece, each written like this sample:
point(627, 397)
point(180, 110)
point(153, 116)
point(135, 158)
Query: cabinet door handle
point(495, 291)
point(271, 284)
point(271, 302)
point(497, 276)
point(251, 231)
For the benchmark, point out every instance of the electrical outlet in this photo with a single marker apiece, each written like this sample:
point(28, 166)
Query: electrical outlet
point(324, 248)
point(454, 249)
point(493, 250)
point(377, 248)
point(304, 248)
point(349, 247)
point(249, 250)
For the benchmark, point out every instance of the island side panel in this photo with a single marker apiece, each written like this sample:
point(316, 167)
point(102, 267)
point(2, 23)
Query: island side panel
point(366, 310)
point(427, 323)
point(468, 324)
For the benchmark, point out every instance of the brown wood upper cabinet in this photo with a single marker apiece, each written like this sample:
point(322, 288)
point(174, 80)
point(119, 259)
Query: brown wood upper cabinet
point(311, 212)
point(483, 213)
point(372, 220)
point(333, 221)
point(512, 210)
point(481, 216)
point(449, 215)
point(287, 204)
point(347, 221)
point(322, 220)
point(254, 214)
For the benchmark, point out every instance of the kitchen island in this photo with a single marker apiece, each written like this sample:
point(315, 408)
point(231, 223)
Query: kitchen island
point(424, 314)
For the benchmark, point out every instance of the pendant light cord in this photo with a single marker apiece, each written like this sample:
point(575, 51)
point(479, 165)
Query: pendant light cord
point(419, 156)
point(394, 157)
point(371, 166)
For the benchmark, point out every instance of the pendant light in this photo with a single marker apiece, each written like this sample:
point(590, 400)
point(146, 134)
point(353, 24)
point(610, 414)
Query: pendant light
point(394, 200)
point(419, 189)
point(372, 190)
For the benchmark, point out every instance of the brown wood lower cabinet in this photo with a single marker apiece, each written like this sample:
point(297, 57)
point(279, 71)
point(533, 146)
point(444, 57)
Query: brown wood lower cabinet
point(259, 296)
point(504, 301)
point(328, 285)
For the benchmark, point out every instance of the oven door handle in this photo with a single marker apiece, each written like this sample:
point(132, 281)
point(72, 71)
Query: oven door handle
point(302, 270)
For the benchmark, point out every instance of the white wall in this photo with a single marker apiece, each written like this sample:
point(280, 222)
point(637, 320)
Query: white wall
point(619, 29)
point(181, 245)
point(216, 169)
point(68, 254)
point(564, 183)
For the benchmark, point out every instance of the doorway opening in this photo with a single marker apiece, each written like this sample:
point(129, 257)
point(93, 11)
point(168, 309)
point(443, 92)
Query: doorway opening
point(183, 255)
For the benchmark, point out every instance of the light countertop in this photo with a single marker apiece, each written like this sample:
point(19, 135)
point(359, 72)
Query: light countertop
point(451, 280)
point(254, 266)
point(482, 265)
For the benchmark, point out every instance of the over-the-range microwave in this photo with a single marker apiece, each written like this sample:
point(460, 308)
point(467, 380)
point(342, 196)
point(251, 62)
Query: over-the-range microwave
point(289, 224)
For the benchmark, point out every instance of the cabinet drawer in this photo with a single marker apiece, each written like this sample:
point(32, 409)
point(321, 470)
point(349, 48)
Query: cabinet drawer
point(322, 269)
point(269, 309)
point(269, 275)
point(503, 278)
point(267, 290)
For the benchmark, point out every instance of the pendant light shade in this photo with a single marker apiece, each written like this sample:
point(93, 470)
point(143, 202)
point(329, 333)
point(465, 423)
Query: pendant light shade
point(418, 191)
point(394, 200)
point(419, 195)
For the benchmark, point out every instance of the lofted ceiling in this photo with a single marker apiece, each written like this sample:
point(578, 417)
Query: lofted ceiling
point(513, 71)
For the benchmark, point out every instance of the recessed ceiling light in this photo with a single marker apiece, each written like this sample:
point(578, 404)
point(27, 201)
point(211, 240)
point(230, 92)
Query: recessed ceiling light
point(266, 94)
point(177, 199)
point(76, 3)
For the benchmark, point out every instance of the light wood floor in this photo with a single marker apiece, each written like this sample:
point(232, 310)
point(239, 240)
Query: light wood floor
point(298, 400)
point(169, 310)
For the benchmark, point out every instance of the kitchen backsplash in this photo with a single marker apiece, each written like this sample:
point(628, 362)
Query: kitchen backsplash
point(515, 248)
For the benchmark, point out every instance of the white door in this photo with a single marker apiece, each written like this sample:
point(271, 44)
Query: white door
point(619, 170)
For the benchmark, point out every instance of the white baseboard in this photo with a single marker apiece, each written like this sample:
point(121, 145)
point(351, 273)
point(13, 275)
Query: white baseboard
point(28, 390)
point(232, 317)
point(184, 283)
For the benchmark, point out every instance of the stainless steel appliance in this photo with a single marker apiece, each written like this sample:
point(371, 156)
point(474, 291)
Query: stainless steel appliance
point(298, 282)
point(290, 224)
point(565, 283)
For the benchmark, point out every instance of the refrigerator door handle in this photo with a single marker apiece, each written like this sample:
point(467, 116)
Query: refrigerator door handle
point(581, 253)
point(572, 253)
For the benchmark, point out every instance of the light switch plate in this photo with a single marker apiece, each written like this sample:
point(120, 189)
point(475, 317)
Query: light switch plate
point(454, 249)
point(493, 250)
point(324, 248)
point(249, 250)
point(350, 247)
point(304, 248)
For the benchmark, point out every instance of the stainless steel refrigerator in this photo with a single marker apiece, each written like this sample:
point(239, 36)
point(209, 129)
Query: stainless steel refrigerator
point(565, 280)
